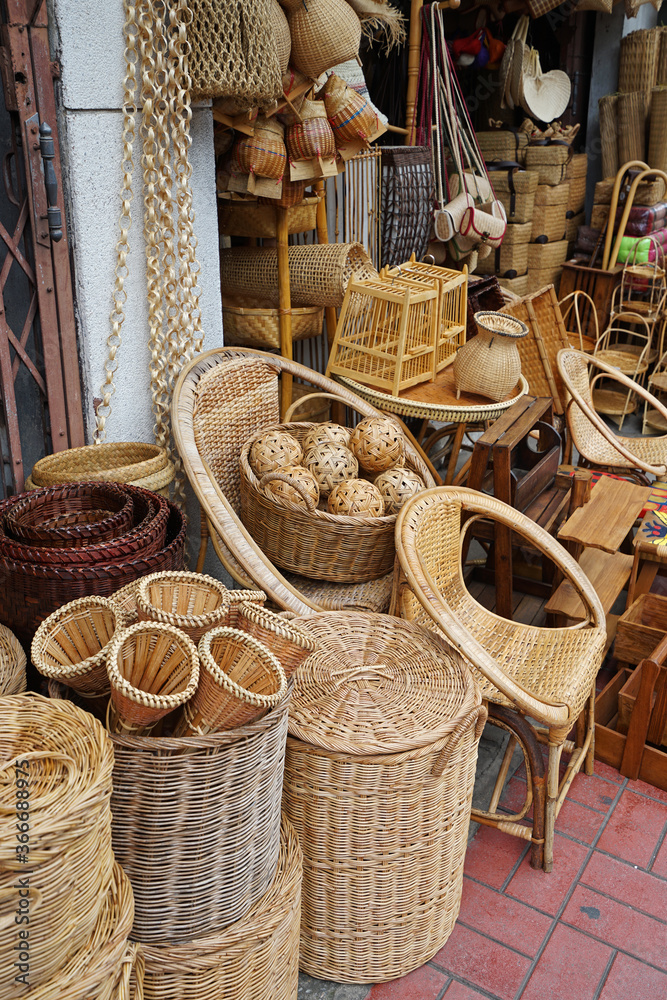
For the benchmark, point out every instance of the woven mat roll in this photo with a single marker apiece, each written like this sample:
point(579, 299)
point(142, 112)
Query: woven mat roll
point(631, 136)
point(657, 147)
point(608, 131)
point(638, 67)
point(661, 69)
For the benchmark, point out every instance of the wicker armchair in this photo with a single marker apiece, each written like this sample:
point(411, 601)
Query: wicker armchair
point(221, 398)
point(597, 445)
point(540, 682)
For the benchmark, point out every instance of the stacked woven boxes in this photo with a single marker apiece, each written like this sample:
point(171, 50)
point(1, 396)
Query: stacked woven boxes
point(576, 175)
point(516, 189)
point(548, 250)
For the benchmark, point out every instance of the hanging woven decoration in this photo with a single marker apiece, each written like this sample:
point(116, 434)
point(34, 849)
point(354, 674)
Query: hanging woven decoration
point(156, 46)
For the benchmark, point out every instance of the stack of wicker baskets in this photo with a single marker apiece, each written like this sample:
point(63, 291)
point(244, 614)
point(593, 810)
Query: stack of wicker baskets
point(378, 784)
point(59, 876)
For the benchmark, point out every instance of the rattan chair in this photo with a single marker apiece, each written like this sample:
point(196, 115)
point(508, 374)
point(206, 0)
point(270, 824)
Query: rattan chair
point(221, 398)
point(540, 682)
point(597, 445)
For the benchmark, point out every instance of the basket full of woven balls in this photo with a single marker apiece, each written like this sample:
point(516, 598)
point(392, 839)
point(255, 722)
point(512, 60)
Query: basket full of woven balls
point(321, 499)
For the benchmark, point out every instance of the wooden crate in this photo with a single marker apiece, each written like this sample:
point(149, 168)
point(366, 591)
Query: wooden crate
point(610, 743)
point(626, 703)
point(641, 628)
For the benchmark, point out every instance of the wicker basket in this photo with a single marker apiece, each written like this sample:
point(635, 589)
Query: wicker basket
point(126, 600)
point(288, 643)
point(378, 783)
point(516, 190)
point(71, 645)
point(547, 256)
point(71, 516)
point(313, 135)
point(241, 680)
point(489, 364)
point(549, 162)
point(192, 602)
point(657, 147)
point(67, 759)
point(263, 153)
point(407, 191)
point(324, 34)
point(608, 134)
point(153, 669)
point(250, 218)
point(12, 663)
point(517, 286)
point(238, 597)
point(280, 31)
point(319, 274)
point(648, 193)
point(573, 225)
point(552, 195)
point(257, 958)
point(540, 277)
point(631, 136)
point(315, 544)
point(119, 462)
point(259, 327)
point(351, 116)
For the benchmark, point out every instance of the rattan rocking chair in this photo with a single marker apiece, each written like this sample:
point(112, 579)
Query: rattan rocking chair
point(597, 445)
point(540, 682)
point(221, 398)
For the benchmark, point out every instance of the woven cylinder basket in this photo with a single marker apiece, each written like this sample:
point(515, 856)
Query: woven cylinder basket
point(378, 785)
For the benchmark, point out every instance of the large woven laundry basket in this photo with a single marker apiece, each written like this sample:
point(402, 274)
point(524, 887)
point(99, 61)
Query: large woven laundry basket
point(379, 774)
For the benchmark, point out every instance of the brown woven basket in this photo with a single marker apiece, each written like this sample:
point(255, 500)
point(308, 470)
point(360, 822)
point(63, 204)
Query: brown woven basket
point(648, 193)
point(153, 669)
point(552, 195)
point(71, 645)
point(250, 218)
point(288, 643)
point(547, 255)
point(192, 602)
point(240, 681)
point(257, 958)
point(281, 35)
point(540, 277)
point(631, 137)
point(12, 663)
point(259, 327)
point(378, 783)
point(608, 134)
point(115, 462)
point(71, 516)
point(503, 144)
point(657, 147)
point(314, 543)
point(351, 116)
point(319, 274)
point(577, 199)
point(61, 764)
point(489, 364)
point(264, 152)
point(313, 135)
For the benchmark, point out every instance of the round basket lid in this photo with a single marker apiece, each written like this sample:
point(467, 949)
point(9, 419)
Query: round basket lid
point(377, 684)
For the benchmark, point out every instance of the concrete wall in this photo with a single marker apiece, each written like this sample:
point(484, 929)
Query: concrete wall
point(87, 38)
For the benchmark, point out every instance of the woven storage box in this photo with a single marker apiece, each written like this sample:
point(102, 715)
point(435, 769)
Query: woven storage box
point(256, 958)
point(539, 277)
point(552, 195)
point(379, 791)
point(319, 274)
point(577, 167)
point(517, 286)
point(516, 190)
point(316, 544)
point(12, 663)
point(452, 287)
point(57, 784)
point(259, 326)
point(196, 825)
point(503, 144)
point(573, 225)
point(549, 223)
point(507, 261)
point(648, 192)
point(248, 218)
point(547, 256)
point(549, 162)
point(386, 334)
point(641, 628)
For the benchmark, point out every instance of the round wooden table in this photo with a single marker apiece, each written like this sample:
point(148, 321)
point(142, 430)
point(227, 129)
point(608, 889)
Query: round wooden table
point(437, 401)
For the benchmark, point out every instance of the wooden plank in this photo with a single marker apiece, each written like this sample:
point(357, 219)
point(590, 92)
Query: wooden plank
point(609, 515)
point(639, 721)
point(608, 572)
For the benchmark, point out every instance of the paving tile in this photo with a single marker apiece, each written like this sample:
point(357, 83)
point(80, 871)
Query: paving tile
point(618, 925)
point(547, 892)
point(630, 978)
point(514, 796)
point(634, 828)
point(483, 963)
point(321, 989)
point(627, 884)
point(570, 967)
point(504, 919)
point(492, 855)
point(645, 789)
point(603, 770)
point(579, 821)
point(593, 791)
point(425, 983)
point(660, 863)
point(457, 991)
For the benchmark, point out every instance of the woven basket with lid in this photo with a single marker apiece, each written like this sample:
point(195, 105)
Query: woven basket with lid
point(379, 774)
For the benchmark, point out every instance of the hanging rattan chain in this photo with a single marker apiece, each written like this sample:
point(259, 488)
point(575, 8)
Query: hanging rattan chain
point(156, 39)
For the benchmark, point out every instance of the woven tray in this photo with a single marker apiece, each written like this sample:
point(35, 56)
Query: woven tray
point(117, 462)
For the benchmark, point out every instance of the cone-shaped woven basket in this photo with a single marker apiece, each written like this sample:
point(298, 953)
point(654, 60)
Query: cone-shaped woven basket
point(153, 669)
point(238, 597)
point(191, 602)
point(72, 643)
point(126, 599)
point(12, 663)
point(240, 681)
point(288, 643)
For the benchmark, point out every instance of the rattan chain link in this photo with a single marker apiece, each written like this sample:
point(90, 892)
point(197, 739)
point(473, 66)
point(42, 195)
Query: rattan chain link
point(155, 34)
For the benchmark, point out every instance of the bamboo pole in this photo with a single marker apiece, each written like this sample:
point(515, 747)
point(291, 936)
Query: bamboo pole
point(285, 305)
point(414, 52)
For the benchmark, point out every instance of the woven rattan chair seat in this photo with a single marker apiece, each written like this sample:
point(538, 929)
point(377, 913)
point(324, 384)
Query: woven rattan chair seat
point(626, 361)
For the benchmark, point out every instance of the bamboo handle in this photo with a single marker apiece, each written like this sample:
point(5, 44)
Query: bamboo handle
point(270, 476)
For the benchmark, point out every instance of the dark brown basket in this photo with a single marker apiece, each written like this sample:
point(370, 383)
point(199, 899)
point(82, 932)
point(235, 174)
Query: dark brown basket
point(29, 592)
point(407, 202)
point(145, 537)
point(71, 515)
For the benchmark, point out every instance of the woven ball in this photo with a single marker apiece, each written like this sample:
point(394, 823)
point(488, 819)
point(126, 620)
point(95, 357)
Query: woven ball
point(327, 433)
point(377, 444)
point(296, 473)
point(396, 486)
point(274, 450)
point(331, 464)
point(356, 496)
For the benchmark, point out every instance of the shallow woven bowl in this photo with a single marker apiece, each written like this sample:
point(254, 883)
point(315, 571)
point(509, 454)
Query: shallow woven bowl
point(192, 602)
point(71, 515)
point(12, 663)
point(72, 643)
point(153, 668)
point(240, 680)
point(288, 643)
point(116, 462)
